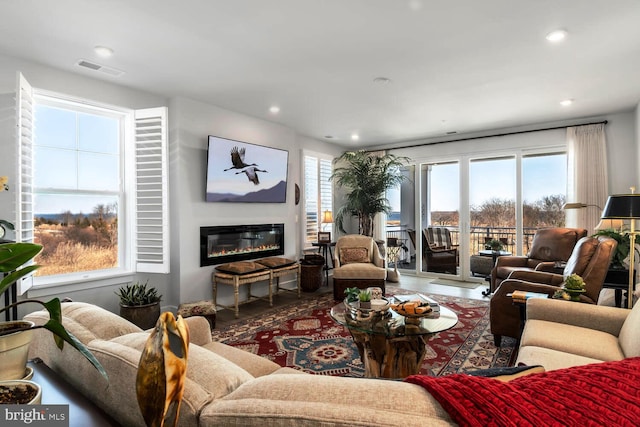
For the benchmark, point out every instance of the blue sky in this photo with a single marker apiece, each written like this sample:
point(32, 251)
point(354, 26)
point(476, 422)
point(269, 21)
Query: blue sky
point(74, 151)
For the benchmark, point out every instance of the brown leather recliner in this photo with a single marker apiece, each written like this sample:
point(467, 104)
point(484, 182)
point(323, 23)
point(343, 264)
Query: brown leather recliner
point(549, 246)
point(590, 259)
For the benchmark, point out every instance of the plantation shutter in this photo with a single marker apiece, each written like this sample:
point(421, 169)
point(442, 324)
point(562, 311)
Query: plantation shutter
point(24, 226)
point(326, 195)
point(151, 195)
point(318, 194)
point(311, 199)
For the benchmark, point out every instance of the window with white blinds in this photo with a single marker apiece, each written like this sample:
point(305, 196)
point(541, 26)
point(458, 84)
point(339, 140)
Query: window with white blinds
point(318, 195)
point(93, 188)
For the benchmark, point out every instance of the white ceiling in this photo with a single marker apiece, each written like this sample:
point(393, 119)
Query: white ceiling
point(455, 65)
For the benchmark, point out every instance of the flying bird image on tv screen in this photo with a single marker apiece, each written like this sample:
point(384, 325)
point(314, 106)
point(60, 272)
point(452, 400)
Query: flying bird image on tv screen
point(251, 173)
point(237, 159)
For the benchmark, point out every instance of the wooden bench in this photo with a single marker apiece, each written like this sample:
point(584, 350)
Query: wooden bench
point(270, 272)
point(236, 280)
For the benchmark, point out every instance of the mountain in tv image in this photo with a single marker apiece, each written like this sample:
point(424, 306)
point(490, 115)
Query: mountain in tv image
point(275, 194)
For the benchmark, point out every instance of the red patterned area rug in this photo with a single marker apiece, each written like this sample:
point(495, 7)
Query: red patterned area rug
point(303, 336)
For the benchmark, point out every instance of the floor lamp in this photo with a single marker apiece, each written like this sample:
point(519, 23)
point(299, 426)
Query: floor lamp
point(626, 207)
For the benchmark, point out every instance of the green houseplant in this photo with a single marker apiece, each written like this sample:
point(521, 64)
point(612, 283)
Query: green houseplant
point(622, 250)
point(495, 245)
point(139, 304)
point(13, 257)
point(366, 179)
point(352, 294)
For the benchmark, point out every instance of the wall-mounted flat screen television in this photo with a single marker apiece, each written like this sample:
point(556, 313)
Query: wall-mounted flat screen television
point(240, 172)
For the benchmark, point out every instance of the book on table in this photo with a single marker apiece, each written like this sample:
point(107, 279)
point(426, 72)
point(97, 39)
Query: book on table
point(523, 296)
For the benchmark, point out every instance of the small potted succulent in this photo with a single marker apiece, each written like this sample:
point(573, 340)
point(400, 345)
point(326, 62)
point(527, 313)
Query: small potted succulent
point(364, 296)
point(139, 305)
point(574, 286)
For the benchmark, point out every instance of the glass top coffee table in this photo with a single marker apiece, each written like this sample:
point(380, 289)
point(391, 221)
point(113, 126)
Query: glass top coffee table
point(391, 345)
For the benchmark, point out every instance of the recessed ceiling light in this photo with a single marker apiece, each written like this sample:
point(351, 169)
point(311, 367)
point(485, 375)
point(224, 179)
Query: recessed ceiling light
point(556, 36)
point(415, 5)
point(382, 80)
point(566, 102)
point(103, 51)
point(355, 137)
point(274, 109)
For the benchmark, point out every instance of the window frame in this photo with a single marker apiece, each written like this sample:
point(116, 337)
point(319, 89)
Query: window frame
point(125, 250)
point(143, 142)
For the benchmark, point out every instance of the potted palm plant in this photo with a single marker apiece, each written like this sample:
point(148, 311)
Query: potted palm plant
point(366, 179)
point(15, 336)
point(139, 304)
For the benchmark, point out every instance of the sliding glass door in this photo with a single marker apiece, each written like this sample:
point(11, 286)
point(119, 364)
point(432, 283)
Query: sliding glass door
point(447, 213)
point(440, 217)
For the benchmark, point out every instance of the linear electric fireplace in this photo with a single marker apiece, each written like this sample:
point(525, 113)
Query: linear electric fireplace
point(240, 242)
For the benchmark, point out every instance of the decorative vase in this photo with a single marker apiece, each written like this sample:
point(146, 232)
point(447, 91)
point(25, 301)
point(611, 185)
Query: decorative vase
point(143, 316)
point(14, 350)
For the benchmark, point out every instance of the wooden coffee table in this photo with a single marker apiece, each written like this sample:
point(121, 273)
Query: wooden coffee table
point(391, 345)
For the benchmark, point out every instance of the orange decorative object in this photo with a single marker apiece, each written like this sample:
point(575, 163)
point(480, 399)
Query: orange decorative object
point(162, 371)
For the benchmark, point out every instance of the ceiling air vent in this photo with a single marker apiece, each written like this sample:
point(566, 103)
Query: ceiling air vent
point(101, 68)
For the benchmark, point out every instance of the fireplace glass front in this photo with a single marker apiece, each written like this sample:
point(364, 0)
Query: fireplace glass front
point(222, 244)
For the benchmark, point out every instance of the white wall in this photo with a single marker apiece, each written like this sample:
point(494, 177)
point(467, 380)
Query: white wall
point(637, 156)
point(191, 122)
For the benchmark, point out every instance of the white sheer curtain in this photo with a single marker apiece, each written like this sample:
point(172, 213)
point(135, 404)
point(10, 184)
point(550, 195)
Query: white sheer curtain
point(587, 174)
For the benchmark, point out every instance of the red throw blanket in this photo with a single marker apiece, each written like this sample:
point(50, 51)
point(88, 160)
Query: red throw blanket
point(600, 394)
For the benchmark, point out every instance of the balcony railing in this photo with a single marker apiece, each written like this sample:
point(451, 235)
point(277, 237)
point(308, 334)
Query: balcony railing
point(478, 237)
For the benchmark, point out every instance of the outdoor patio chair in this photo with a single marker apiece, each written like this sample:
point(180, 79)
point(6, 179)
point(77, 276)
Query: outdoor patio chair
point(440, 253)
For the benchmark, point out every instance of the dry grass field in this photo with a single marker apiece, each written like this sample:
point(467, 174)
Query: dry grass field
point(72, 249)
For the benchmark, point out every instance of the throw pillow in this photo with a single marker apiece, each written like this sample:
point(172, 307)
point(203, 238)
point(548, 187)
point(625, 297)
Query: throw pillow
point(596, 394)
point(276, 262)
point(241, 267)
point(353, 255)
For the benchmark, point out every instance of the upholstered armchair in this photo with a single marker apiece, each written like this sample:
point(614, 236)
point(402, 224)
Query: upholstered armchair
point(589, 259)
point(550, 245)
point(357, 263)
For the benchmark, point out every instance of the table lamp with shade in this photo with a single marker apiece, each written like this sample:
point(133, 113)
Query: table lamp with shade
point(625, 207)
point(327, 217)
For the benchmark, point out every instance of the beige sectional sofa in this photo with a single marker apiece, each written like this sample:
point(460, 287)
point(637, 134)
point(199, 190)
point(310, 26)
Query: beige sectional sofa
point(225, 386)
point(560, 334)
